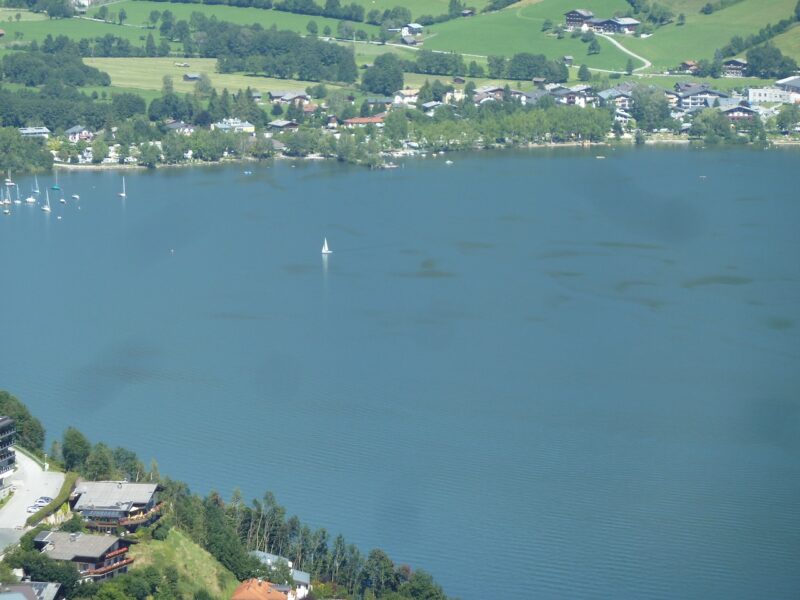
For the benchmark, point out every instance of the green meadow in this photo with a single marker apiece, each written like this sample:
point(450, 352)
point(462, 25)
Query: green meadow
point(789, 42)
point(38, 29)
point(139, 13)
point(703, 34)
point(147, 74)
point(417, 7)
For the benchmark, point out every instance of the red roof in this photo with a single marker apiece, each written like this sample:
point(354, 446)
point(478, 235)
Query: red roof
point(255, 589)
point(365, 120)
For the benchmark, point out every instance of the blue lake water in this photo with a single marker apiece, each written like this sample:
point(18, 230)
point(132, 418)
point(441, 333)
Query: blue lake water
point(534, 372)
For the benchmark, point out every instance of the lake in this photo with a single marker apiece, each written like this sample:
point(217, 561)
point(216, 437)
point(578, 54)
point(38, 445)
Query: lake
point(535, 372)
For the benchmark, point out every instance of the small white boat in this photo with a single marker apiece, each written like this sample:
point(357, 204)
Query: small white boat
point(62, 200)
point(599, 157)
point(46, 206)
point(6, 211)
point(325, 249)
point(448, 162)
point(30, 199)
point(122, 194)
point(76, 197)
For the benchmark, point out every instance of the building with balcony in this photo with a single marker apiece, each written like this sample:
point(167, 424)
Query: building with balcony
point(8, 459)
point(96, 557)
point(110, 504)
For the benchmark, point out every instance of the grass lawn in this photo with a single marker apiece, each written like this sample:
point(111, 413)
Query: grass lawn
point(139, 12)
point(722, 84)
point(366, 53)
point(789, 42)
point(38, 29)
point(702, 34)
point(198, 570)
point(417, 7)
point(148, 74)
point(7, 15)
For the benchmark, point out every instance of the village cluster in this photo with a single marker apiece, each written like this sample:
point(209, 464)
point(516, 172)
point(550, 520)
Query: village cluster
point(109, 508)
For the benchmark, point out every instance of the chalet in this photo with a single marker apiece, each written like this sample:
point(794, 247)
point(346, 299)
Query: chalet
point(376, 120)
point(30, 590)
point(734, 67)
point(580, 95)
point(406, 96)
point(409, 40)
point(693, 96)
point(256, 96)
point(289, 97)
point(384, 101)
point(539, 82)
point(430, 107)
point(495, 92)
point(568, 59)
point(533, 97)
point(40, 132)
point(622, 117)
point(310, 108)
point(283, 125)
point(96, 557)
point(626, 25)
point(111, 504)
point(7, 457)
point(78, 133)
point(688, 67)
point(577, 17)
point(256, 589)
point(234, 126)
point(739, 112)
point(414, 28)
point(180, 127)
point(191, 76)
point(620, 98)
point(467, 12)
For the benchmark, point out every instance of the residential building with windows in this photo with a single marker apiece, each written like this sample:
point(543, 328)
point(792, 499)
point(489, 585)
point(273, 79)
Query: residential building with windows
point(110, 504)
point(97, 557)
point(577, 17)
point(8, 459)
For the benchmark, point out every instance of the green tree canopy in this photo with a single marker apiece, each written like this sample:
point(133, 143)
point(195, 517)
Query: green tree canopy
point(30, 433)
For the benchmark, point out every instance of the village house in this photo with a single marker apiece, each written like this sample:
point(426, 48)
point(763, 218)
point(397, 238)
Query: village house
point(413, 29)
point(376, 120)
point(577, 17)
point(41, 132)
point(234, 125)
point(467, 12)
point(768, 95)
point(7, 457)
point(739, 112)
point(568, 59)
point(579, 95)
point(409, 40)
point(256, 589)
point(406, 97)
point(693, 95)
point(734, 67)
point(621, 99)
point(301, 579)
point(180, 127)
point(256, 96)
point(30, 590)
point(283, 125)
point(96, 557)
point(688, 67)
point(191, 76)
point(284, 97)
point(107, 505)
point(383, 101)
point(430, 107)
point(625, 25)
point(78, 133)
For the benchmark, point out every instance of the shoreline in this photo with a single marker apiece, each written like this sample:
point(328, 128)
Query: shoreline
point(404, 153)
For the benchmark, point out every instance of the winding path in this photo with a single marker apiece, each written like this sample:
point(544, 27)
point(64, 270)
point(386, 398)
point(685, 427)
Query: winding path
point(647, 63)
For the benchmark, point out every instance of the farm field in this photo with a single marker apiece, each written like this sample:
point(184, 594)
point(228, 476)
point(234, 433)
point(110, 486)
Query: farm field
point(703, 34)
point(38, 29)
point(366, 53)
point(148, 74)
point(417, 7)
point(139, 12)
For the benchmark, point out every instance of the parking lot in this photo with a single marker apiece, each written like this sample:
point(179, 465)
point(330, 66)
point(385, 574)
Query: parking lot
point(30, 482)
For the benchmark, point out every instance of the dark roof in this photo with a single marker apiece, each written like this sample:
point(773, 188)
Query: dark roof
point(581, 11)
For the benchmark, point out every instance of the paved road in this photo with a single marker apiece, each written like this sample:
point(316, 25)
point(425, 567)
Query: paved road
point(31, 483)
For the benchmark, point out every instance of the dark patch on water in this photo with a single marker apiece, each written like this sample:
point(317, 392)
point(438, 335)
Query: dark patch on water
point(560, 274)
point(624, 286)
point(234, 316)
point(653, 303)
point(628, 245)
point(716, 280)
point(566, 254)
point(298, 269)
point(467, 245)
point(410, 251)
point(428, 270)
point(511, 218)
point(779, 323)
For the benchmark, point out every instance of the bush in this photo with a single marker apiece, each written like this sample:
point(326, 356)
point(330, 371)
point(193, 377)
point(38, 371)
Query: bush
point(61, 498)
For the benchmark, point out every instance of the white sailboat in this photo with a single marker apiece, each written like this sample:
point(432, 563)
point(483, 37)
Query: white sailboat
point(36, 185)
point(76, 197)
point(46, 205)
point(30, 199)
point(17, 200)
point(122, 194)
point(325, 249)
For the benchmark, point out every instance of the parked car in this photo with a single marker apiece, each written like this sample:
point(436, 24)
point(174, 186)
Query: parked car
point(34, 508)
point(46, 499)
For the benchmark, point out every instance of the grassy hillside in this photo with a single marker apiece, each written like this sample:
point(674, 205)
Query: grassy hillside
point(37, 29)
point(198, 570)
point(148, 74)
point(138, 13)
point(703, 34)
point(789, 42)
